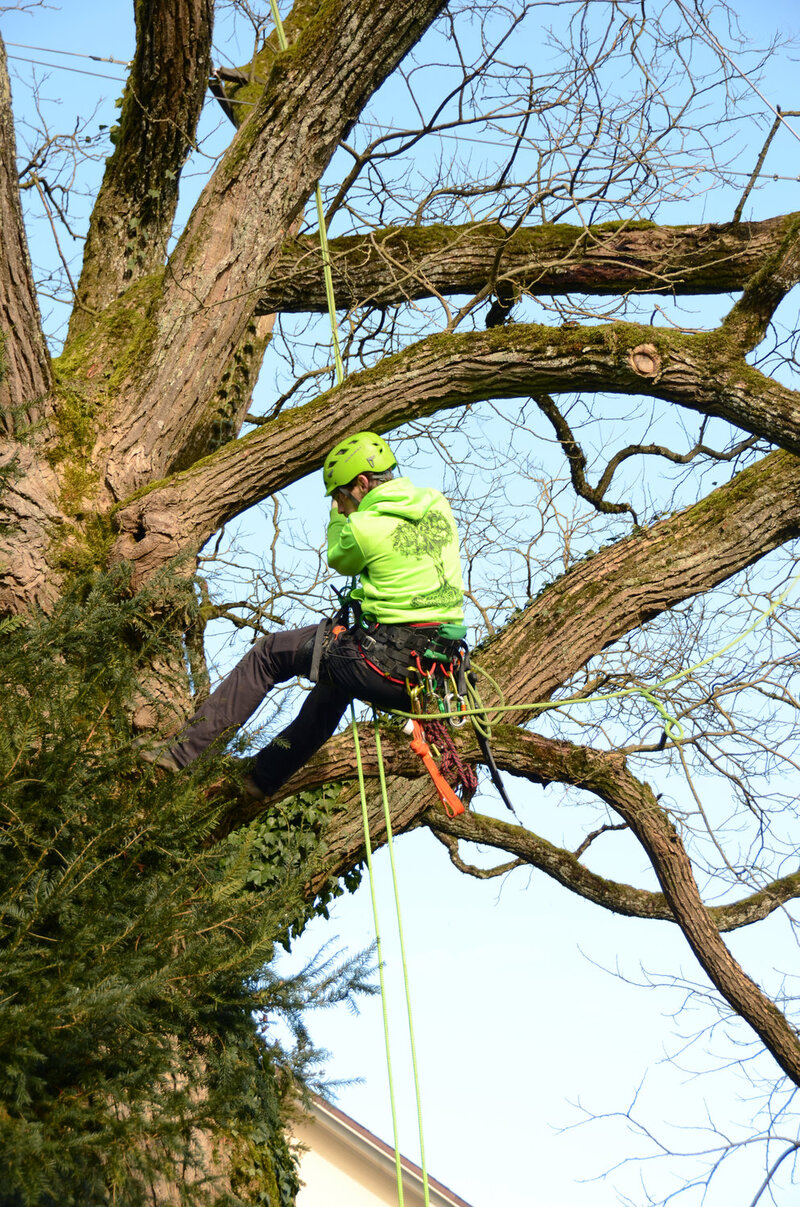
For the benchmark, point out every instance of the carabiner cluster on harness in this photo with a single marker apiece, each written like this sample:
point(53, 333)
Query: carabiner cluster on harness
point(433, 688)
point(437, 689)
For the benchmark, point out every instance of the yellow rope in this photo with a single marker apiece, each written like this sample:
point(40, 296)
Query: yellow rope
point(323, 234)
point(674, 730)
point(328, 277)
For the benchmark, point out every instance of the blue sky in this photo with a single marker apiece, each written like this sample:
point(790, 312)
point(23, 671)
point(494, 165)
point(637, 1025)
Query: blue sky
point(528, 1002)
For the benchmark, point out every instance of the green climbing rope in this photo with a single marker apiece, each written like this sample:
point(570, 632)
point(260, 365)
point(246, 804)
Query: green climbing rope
point(483, 717)
point(379, 947)
point(339, 367)
point(323, 234)
point(409, 1014)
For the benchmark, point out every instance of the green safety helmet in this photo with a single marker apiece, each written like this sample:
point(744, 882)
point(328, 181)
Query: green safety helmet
point(362, 453)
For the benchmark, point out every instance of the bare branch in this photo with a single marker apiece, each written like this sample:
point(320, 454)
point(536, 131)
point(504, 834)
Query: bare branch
point(469, 869)
point(577, 461)
point(776, 125)
point(620, 588)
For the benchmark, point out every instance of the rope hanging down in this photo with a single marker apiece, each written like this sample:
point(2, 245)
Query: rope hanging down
point(339, 368)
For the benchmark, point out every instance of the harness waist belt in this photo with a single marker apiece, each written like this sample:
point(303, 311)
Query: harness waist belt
point(392, 648)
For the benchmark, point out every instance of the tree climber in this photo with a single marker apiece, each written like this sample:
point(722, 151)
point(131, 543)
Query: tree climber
point(402, 542)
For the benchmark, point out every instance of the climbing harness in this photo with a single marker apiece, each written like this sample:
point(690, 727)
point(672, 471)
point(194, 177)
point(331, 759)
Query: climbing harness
point(429, 658)
point(398, 651)
point(432, 660)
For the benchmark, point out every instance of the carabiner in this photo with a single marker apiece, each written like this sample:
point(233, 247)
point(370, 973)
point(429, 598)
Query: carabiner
point(455, 721)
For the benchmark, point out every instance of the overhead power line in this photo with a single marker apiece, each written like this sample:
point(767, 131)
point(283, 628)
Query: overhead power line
point(375, 125)
point(75, 54)
point(100, 75)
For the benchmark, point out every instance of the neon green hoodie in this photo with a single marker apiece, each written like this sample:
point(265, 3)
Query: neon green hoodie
point(403, 544)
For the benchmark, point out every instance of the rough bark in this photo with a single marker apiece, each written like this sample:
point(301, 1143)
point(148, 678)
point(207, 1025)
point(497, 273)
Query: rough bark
point(133, 214)
point(439, 373)
point(313, 95)
point(605, 774)
point(697, 371)
point(391, 266)
point(28, 487)
point(238, 89)
point(232, 399)
point(637, 805)
point(150, 376)
point(623, 586)
point(24, 362)
point(748, 320)
point(528, 756)
point(28, 505)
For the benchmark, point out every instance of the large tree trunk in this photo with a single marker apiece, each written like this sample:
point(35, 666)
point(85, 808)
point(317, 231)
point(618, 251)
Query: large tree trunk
point(134, 211)
point(140, 384)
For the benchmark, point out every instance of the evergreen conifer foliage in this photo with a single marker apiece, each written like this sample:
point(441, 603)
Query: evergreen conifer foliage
point(121, 930)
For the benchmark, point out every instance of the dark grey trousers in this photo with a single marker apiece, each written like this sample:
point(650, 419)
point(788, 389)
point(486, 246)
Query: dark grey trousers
point(344, 675)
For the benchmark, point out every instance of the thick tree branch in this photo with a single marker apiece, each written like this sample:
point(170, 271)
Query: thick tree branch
point(239, 89)
point(135, 208)
point(620, 588)
point(637, 805)
point(388, 267)
point(225, 413)
point(612, 895)
point(605, 774)
point(529, 756)
point(748, 320)
point(545, 761)
point(24, 363)
point(446, 371)
point(315, 91)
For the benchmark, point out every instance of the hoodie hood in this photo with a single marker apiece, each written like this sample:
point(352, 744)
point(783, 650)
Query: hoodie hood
point(400, 497)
